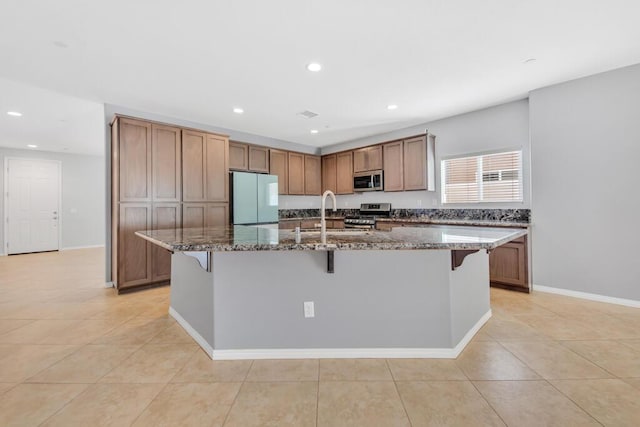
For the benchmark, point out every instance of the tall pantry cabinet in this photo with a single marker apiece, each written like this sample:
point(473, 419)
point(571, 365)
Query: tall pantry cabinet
point(157, 170)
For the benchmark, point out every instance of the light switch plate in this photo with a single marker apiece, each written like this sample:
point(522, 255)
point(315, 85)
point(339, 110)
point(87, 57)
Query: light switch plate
point(309, 310)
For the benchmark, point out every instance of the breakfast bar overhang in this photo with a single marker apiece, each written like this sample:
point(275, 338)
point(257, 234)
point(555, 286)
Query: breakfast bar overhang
point(408, 292)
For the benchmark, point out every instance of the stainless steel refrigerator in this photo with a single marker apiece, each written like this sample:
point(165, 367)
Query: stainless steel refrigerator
point(255, 198)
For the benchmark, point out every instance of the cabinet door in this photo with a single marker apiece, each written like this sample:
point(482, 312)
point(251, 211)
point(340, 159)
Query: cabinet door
point(193, 166)
point(238, 156)
point(164, 216)
point(217, 169)
point(360, 160)
point(393, 166)
point(134, 149)
point(415, 164)
point(329, 173)
point(374, 158)
point(258, 159)
point(296, 173)
point(134, 253)
point(507, 265)
point(166, 148)
point(344, 173)
point(312, 175)
point(279, 165)
point(201, 215)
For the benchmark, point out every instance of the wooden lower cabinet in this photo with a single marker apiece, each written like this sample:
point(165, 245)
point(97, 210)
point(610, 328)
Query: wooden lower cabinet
point(508, 265)
point(133, 254)
point(164, 216)
point(201, 215)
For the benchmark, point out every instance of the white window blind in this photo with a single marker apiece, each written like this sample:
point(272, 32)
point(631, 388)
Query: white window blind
point(493, 177)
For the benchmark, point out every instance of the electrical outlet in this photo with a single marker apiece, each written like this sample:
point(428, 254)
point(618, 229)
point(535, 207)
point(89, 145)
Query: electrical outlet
point(419, 202)
point(309, 310)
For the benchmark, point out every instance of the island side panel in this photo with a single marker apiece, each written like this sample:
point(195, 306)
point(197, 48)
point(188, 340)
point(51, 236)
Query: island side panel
point(375, 299)
point(192, 297)
point(470, 299)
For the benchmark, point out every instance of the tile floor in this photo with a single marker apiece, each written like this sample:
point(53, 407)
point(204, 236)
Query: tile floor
point(72, 353)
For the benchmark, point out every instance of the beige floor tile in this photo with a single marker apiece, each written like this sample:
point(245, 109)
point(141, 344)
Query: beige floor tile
point(511, 330)
point(533, 403)
point(58, 332)
point(190, 405)
point(635, 344)
point(153, 363)
point(491, 361)
point(610, 326)
point(19, 362)
point(354, 370)
point(446, 403)
point(31, 404)
point(201, 369)
point(174, 334)
point(275, 404)
point(482, 335)
point(6, 387)
point(87, 365)
point(7, 325)
point(284, 370)
point(612, 402)
point(554, 361)
point(135, 331)
point(615, 357)
point(106, 405)
point(360, 403)
point(425, 369)
point(560, 328)
point(633, 381)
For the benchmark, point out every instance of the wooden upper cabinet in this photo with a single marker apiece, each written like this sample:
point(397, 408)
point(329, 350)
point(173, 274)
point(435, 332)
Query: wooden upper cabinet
point(205, 176)
point(258, 159)
point(279, 166)
point(217, 169)
point(312, 175)
point(238, 156)
point(134, 149)
point(393, 166)
point(344, 173)
point(329, 173)
point(367, 159)
point(296, 173)
point(166, 149)
point(419, 173)
point(193, 165)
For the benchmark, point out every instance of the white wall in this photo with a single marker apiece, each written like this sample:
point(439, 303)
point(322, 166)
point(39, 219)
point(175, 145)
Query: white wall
point(505, 126)
point(585, 145)
point(83, 196)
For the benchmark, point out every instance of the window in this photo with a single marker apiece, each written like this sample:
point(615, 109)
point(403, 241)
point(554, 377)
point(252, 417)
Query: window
point(495, 177)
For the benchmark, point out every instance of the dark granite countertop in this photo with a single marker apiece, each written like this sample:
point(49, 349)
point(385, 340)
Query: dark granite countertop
point(257, 238)
point(472, 222)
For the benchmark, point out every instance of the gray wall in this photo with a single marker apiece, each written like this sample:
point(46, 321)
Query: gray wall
point(505, 126)
point(83, 196)
point(585, 144)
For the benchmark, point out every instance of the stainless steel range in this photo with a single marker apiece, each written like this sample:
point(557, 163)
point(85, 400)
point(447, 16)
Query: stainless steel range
point(367, 215)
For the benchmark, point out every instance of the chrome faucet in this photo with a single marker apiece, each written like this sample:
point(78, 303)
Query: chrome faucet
point(323, 220)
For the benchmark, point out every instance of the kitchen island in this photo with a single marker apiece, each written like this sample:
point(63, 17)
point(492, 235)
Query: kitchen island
point(406, 292)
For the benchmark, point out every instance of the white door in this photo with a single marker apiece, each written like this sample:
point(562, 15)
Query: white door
point(33, 197)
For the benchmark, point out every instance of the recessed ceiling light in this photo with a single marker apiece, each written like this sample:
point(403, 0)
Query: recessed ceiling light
point(530, 60)
point(314, 130)
point(238, 110)
point(314, 66)
point(14, 113)
point(32, 146)
point(392, 107)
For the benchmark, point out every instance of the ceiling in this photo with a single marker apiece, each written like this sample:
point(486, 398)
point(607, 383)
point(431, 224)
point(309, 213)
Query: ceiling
point(197, 60)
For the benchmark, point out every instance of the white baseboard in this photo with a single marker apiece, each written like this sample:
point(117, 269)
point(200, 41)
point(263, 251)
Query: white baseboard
point(71, 248)
point(192, 332)
point(586, 295)
point(332, 353)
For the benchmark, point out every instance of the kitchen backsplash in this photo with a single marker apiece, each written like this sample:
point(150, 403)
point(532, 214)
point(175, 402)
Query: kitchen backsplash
point(504, 215)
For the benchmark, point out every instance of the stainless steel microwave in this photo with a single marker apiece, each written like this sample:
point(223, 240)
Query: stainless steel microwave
point(368, 181)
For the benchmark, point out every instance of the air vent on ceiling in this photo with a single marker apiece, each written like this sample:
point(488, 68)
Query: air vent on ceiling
point(307, 114)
